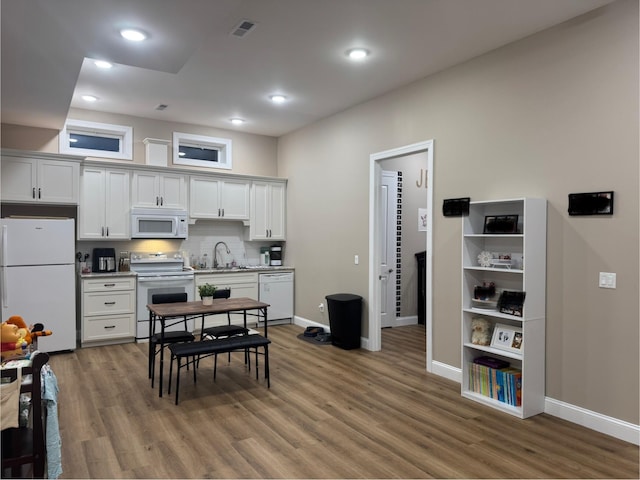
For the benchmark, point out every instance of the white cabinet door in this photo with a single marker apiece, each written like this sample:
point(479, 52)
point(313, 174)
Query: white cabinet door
point(218, 198)
point(145, 189)
point(58, 182)
point(104, 205)
point(91, 210)
point(268, 211)
point(204, 197)
point(173, 191)
point(234, 199)
point(39, 180)
point(155, 190)
point(277, 202)
point(18, 179)
point(117, 215)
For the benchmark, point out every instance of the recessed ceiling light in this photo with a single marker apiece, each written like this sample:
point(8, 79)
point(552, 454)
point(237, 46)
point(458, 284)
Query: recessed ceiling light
point(89, 98)
point(237, 121)
point(133, 35)
point(358, 53)
point(102, 64)
point(278, 98)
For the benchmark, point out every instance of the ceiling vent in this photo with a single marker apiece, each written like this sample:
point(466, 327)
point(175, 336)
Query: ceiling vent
point(243, 29)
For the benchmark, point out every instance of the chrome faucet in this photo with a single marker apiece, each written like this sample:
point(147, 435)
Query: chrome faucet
point(215, 253)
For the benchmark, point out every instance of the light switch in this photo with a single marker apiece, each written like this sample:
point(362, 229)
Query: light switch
point(607, 280)
point(356, 259)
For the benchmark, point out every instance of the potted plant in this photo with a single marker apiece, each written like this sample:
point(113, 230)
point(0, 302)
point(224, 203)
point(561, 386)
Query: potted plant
point(206, 292)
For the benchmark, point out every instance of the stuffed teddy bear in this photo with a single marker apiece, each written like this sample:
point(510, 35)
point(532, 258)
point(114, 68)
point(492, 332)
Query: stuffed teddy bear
point(12, 342)
point(23, 330)
point(480, 331)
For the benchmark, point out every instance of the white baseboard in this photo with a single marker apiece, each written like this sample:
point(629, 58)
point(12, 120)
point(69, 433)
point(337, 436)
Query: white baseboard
point(446, 371)
point(303, 322)
point(593, 420)
point(404, 321)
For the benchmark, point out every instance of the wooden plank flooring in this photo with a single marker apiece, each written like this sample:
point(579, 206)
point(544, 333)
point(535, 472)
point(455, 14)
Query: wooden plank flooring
point(330, 413)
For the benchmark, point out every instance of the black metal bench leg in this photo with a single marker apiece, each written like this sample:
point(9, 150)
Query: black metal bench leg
point(266, 365)
point(257, 366)
point(215, 366)
point(170, 373)
point(178, 378)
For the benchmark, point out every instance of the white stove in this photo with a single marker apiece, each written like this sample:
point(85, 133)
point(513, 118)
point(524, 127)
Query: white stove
point(158, 272)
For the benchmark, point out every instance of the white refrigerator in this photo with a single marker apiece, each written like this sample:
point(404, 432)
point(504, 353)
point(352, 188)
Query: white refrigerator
point(37, 272)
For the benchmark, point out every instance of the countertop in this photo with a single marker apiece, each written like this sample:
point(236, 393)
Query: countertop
point(243, 270)
point(196, 271)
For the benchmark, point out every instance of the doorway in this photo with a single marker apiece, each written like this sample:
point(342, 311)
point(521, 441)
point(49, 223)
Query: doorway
point(376, 245)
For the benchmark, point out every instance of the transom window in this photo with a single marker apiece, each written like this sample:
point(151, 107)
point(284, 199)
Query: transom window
point(92, 139)
point(201, 151)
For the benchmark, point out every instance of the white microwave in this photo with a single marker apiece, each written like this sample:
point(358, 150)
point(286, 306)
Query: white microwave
point(158, 223)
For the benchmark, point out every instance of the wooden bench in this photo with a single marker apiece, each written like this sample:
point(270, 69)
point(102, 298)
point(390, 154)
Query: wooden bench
point(206, 348)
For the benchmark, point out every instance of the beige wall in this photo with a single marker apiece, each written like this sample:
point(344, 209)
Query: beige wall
point(552, 114)
point(252, 154)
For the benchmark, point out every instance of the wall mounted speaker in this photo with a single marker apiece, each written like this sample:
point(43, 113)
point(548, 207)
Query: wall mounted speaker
point(594, 203)
point(455, 207)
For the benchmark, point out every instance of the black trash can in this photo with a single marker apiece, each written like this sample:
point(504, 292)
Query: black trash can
point(421, 257)
point(345, 319)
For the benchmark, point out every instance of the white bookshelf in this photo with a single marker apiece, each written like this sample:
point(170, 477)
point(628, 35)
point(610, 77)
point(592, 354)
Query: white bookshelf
point(528, 243)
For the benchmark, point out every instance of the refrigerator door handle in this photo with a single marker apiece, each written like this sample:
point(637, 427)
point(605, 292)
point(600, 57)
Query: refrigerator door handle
point(4, 268)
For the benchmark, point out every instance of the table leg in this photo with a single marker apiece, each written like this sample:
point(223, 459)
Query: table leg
point(161, 356)
point(151, 355)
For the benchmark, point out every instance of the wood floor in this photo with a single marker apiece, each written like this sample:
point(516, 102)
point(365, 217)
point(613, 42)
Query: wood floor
point(329, 413)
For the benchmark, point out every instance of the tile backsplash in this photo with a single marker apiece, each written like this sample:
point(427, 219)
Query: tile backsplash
point(203, 236)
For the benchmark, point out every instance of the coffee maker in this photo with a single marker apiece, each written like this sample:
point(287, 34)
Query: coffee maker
point(275, 256)
point(104, 260)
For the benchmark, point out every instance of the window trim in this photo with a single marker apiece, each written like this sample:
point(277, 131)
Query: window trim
point(122, 132)
point(223, 145)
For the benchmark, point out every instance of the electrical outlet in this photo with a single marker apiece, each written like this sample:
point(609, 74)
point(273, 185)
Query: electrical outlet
point(321, 307)
point(607, 280)
point(356, 259)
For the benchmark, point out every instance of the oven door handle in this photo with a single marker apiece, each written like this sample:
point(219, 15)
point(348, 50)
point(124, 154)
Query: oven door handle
point(165, 279)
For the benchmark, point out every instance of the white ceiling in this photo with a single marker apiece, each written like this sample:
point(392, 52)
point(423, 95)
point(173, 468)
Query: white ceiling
point(206, 76)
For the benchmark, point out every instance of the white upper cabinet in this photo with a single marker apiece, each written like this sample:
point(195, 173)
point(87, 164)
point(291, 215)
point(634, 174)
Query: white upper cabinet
point(41, 180)
point(268, 211)
point(217, 198)
point(104, 204)
point(159, 190)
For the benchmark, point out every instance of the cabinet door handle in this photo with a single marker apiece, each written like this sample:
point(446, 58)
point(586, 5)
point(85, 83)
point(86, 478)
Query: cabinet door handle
point(157, 201)
point(39, 193)
point(218, 212)
point(223, 212)
point(161, 201)
point(33, 193)
point(109, 303)
point(109, 284)
point(107, 231)
point(109, 326)
point(103, 231)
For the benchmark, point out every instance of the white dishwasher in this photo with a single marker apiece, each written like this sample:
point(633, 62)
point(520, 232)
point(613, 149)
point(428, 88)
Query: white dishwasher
point(276, 289)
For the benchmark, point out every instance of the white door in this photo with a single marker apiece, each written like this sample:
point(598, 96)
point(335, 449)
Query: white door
point(117, 217)
point(387, 267)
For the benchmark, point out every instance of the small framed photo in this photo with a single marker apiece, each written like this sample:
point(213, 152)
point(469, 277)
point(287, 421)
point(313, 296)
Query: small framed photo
point(500, 224)
point(506, 337)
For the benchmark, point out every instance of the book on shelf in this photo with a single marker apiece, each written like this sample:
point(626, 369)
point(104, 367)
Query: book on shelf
point(501, 384)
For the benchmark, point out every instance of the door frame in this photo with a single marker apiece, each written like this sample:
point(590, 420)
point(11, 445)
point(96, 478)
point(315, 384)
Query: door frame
point(375, 173)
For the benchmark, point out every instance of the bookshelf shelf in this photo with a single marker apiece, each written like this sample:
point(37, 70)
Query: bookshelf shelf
point(526, 252)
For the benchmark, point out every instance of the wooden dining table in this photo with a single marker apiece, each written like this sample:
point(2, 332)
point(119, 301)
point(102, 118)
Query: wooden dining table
point(164, 312)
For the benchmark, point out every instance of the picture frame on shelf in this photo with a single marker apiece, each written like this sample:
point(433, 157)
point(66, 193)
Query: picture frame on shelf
point(511, 302)
point(508, 338)
point(500, 224)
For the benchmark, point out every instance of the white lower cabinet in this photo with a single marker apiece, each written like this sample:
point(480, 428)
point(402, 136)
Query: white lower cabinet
point(108, 306)
point(240, 284)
